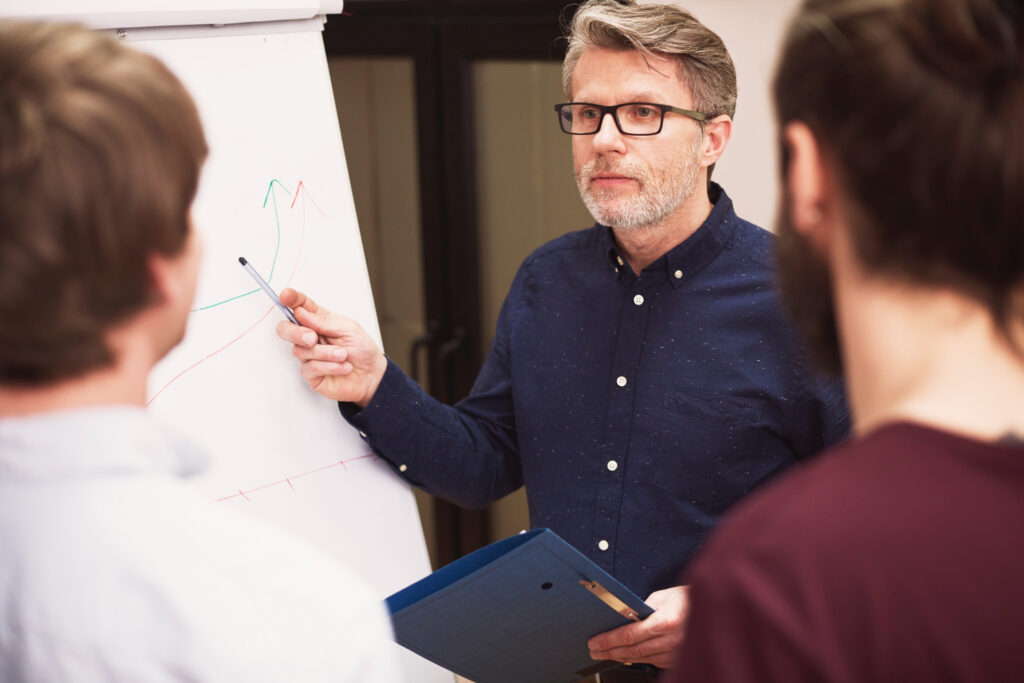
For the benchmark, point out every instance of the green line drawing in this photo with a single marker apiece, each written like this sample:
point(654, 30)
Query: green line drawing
point(277, 248)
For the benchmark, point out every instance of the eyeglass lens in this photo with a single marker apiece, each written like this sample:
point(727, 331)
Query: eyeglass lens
point(633, 119)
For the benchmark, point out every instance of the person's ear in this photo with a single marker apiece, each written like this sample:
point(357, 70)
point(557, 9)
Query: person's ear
point(807, 180)
point(717, 132)
point(165, 278)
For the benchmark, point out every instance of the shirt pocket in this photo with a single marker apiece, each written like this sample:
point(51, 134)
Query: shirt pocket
point(716, 405)
point(718, 449)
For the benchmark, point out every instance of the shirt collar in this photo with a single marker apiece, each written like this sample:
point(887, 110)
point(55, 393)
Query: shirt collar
point(97, 440)
point(690, 256)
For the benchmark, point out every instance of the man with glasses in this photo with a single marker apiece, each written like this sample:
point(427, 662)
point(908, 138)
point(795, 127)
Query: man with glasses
point(642, 378)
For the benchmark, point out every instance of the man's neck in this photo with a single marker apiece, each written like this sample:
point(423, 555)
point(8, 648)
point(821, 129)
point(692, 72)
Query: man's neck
point(928, 356)
point(643, 246)
point(98, 389)
point(122, 383)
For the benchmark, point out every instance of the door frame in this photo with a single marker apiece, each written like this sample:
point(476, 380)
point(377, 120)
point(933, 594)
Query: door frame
point(443, 38)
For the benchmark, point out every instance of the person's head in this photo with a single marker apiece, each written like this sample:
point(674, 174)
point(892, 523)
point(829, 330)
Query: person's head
point(100, 154)
point(620, 52)
point(913, 111)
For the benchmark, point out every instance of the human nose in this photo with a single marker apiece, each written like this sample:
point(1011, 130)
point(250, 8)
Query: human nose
point(608, 138)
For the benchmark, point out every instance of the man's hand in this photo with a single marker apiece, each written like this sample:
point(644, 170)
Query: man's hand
point(655, 640)
point(339, 360)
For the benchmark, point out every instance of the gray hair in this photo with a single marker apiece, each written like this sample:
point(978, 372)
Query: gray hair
point(657, 29)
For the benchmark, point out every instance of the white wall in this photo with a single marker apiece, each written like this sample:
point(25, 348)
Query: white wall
point(751, 30)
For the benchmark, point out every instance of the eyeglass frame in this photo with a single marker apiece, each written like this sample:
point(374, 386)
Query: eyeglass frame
point(614, 111)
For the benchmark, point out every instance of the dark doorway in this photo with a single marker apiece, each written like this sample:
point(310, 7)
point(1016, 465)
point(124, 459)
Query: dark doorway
point(442, 45)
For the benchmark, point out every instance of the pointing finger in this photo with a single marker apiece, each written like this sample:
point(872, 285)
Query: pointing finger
point(293, 297)
point(296, 334)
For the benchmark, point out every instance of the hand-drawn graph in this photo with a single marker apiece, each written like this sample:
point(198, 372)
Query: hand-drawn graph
point(273, 188)
point(276, 450)
point(240, 324)
point(296, 235)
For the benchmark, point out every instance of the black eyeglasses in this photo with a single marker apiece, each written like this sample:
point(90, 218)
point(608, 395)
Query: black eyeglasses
point(631, 118)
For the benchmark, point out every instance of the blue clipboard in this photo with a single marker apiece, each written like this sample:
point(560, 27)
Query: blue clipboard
point(520, 609)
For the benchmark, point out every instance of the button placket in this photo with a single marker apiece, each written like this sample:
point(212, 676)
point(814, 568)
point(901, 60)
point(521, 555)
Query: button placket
point(635, 307)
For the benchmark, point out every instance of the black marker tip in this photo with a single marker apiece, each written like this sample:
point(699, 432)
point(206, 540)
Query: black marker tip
point(241, 259)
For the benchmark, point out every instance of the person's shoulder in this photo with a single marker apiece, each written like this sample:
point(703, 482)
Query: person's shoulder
point(744, 234)
point(230, 539)
point(751, 241)
point(809, 506)
point(247, 552)
point(594, 237)
point(209, 574)
point(302, 603)
point(831, 505)
point(564, 255)
point(142, 567)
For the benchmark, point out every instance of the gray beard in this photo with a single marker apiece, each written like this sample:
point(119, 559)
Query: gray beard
point(659, 195)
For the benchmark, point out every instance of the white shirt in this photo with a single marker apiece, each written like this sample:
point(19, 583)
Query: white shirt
point(111, 569)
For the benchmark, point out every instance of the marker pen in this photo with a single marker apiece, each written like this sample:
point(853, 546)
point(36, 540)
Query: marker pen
point(266, 288)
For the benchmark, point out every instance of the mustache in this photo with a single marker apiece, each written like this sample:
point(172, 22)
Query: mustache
point(602, 165)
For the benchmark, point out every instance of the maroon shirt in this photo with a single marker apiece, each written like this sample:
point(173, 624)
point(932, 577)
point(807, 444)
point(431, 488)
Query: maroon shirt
point(897, 557)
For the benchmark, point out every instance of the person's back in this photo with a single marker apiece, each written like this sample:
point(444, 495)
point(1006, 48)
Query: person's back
point(894, 558)
point(111, 568)
point(897, 556)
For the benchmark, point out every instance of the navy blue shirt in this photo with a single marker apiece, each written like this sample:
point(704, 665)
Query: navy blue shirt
point(636, 410)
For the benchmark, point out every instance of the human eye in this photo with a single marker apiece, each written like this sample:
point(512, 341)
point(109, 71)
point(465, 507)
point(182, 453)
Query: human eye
point(639, 115)
point(588, 113)
point(643, 112)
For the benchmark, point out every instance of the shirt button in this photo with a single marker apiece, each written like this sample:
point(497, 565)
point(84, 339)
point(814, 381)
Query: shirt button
point(621, 381)
point(612, 465)
point(678, 274)
point(619, 260)
point(602, 544)
point(403, 468)
point(638, 299)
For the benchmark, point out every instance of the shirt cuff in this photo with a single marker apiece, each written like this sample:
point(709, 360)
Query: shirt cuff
point(386, 406)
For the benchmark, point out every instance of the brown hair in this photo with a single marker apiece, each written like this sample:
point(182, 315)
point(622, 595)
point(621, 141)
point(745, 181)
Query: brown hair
point(704, 63)
point(100, 153)
point(918, 106)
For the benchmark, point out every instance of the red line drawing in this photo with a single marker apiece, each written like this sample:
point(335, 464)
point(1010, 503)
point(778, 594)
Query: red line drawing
point(302, 237)
point(288, 480)
point(295, 267)
point(301, 186)
point(209, 356)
